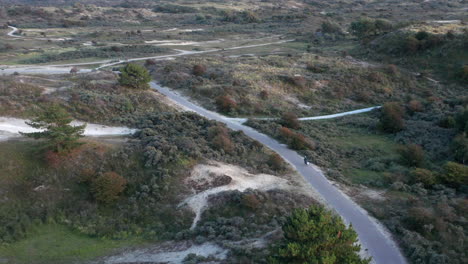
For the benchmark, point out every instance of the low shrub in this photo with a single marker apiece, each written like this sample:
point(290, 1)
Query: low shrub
point(199, 69)
point(391, 119)
point(290, 120)
point(107, 187)
point(225, 103)
point(455, 174)
point(424, 176)
point(412, 155)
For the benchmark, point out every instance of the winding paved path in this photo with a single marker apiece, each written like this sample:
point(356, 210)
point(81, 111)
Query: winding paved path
point(371, 235)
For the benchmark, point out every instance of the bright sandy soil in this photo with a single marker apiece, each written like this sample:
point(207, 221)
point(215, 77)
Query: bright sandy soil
point(171, 252)
point(241, 181)
point(10, 128)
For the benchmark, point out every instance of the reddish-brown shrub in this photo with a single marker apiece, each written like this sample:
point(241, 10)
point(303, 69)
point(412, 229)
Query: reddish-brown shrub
point(286, 133)
point(295, 141)
point(53, 159)
point(74, 70)
point(299, 81)
point(263, 95)
point(415, 106)
point(107, 187)
point(391, 119)
point(300, 142)
point(412, 155)
point(223, 142)
point(392, 69)
point(250, 201)
point(290, 120)
point(150, 62)
point(199, 69)
point(276, 162)
point(225, 104)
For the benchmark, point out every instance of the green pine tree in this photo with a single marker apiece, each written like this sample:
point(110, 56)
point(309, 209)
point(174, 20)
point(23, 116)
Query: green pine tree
point(135, 76)
point(55, 122)
point(316, 236)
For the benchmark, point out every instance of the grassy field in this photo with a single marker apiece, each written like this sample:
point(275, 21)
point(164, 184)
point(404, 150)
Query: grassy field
point(53, 243)
point(376, 144)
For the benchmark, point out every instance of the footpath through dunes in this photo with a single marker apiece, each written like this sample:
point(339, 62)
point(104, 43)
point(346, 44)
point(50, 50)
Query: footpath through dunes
point(10, 128)
point(372, 235)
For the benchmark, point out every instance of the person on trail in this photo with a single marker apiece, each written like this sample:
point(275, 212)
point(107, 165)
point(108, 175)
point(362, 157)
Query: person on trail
point(306, 162)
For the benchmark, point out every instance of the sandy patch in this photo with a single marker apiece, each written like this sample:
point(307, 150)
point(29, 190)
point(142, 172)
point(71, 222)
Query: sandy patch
point(10, 127)
point(170, 252)
point(241, 180)
point(295, 101)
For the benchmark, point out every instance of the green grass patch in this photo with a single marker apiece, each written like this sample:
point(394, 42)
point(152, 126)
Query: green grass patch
point(372, 141)
point(53, 243)
point(363, 176)
point(17, 159)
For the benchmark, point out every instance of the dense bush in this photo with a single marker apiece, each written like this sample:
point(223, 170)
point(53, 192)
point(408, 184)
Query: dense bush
point(424, 176)
point(290, 120)
point(107, 187)
point(226, 104)
point(276, 162)
point(412, 155)
point(295, 140)
point(391, 119)
point(199, 69)
point(134, 76)
point(366, 27)
point(331, 28)
point(455, 174)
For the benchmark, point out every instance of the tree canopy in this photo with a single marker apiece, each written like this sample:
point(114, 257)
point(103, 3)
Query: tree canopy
point(54, 122)
point(135, 76)
point(316, 236)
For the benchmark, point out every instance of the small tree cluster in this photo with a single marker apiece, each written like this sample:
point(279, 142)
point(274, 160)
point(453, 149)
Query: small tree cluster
point(315, 235)
point(60, 136)
point(422, 40)
point(134, 76)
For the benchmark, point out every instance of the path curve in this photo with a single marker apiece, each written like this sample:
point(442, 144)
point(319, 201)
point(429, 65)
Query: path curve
point(13, 31)
point(372, 235)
